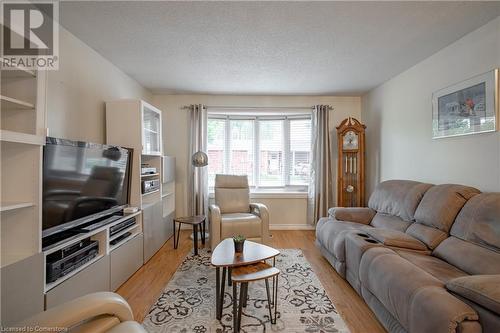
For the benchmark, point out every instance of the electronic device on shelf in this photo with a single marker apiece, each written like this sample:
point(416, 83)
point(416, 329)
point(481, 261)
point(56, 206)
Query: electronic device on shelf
point(146, 169)
point(121, 226)
point(150, 185)
point(120, 238)
point(66, 260)
point(83, 183)
point(102, 223)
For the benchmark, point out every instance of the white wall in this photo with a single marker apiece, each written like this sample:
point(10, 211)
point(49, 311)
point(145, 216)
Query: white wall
point(77, 92)
point(398, 116)
point(287, 212)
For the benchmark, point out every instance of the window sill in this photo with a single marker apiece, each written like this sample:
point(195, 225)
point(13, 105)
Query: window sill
point(273, 195)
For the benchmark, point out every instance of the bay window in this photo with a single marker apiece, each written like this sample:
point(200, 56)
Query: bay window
point(273, 151)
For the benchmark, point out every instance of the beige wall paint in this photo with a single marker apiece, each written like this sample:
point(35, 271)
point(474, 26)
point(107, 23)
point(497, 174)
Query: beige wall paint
point(176, 139)
point(398, 116)
point(77, 92)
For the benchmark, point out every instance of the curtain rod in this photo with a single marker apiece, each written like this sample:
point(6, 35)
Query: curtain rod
point(222, 107)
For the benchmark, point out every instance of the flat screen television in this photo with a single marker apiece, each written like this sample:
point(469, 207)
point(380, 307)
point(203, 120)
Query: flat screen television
point(82, 182)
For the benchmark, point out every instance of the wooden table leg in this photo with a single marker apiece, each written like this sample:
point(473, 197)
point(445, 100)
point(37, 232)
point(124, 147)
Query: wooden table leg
point(217, 292)
point(243, 288)
point(229, 281)
point(195, 238)
point(276, 302)
point(221, 293)
point(173, 221)
point(202, 227)
point(269, 301)
point(235, 304)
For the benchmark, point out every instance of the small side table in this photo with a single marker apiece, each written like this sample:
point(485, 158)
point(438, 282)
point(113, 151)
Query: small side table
point(195, 221)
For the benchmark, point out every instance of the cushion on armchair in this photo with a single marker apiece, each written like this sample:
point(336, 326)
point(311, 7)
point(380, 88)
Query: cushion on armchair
point(480, 289)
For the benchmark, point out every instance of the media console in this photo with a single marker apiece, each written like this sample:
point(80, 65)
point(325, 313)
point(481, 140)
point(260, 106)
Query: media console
point(98, 259)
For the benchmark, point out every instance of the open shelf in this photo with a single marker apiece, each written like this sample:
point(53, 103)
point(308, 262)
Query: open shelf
point(152, 192)
point(18, 73)
point(19, 137)
point(9, 103)
point(150, 175)
point(135, 231)
point(57, 282)
point(6, 206)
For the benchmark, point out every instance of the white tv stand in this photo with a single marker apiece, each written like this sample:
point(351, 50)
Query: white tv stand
point(113, 265)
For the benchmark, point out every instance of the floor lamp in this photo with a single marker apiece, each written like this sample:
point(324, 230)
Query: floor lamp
point(198, 160)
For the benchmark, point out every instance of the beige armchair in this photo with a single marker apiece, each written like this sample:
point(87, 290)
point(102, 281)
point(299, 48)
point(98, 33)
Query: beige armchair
point(92, 313)
point(233, 214)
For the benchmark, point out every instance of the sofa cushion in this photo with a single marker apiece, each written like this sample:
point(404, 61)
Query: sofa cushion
point(480, 289)
point(394, 238)
point(437, 212)
point(479, 221)
point(398, 198)
point(468, 257)
point(430, 236)
point(436, 267)
point(414, 297)
point(386, 221)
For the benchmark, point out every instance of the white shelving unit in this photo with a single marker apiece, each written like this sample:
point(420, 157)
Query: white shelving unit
point(102, 235)
point(143, 133)
point(22, 136)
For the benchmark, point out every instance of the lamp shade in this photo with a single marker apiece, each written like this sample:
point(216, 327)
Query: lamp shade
point(199, 159)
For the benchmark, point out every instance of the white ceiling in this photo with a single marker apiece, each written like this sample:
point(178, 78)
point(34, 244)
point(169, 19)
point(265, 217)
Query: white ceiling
point(270, 47)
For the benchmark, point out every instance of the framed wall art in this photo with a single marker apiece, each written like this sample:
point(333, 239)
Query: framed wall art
point(468, 107)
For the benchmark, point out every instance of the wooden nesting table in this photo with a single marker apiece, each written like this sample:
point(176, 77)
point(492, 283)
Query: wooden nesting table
point(224, 256)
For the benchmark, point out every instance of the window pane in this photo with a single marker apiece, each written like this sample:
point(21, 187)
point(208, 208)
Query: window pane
point(271, 153)
point(241, 145)
point(300, 148)
point(216, 137)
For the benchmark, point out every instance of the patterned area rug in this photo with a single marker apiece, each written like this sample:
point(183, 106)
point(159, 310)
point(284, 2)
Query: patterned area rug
point(188, 302)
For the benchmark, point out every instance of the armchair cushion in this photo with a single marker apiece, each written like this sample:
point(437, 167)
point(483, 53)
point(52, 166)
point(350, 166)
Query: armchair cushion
point(232, 194)
point(246, 224)
point(480, 289)
point(361, 215)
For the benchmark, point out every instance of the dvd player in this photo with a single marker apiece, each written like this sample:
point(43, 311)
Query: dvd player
point(121, 226)
point(64, 261)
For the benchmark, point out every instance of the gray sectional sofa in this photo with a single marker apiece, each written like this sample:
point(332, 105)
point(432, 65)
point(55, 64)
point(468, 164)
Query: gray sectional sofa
point(425, 258)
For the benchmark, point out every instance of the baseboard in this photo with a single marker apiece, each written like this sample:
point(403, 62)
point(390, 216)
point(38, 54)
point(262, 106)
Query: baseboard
point(291, 227)
point(271, 227)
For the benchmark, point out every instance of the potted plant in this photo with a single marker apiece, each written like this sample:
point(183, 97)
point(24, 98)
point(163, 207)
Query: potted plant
point(239, 241)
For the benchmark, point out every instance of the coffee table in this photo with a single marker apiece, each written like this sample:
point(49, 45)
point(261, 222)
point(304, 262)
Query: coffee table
point(224, 256)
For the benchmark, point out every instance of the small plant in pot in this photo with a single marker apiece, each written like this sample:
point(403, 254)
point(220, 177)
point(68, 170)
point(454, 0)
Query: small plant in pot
point(239, 241)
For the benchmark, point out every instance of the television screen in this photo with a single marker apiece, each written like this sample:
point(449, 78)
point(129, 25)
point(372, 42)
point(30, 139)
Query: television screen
point(80, 180)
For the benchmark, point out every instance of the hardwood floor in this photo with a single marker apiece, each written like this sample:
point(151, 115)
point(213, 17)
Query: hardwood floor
point(144, 287)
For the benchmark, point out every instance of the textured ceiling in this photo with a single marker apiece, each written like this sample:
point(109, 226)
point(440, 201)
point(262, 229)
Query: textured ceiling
point(270, 47)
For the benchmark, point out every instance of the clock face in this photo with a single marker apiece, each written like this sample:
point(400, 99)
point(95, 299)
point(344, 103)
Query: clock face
point(350, 141)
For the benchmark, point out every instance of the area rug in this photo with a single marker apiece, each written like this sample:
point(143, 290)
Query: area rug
point(187, 304)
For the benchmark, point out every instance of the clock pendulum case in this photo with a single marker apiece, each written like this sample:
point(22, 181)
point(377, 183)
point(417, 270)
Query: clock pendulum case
point(351, 163)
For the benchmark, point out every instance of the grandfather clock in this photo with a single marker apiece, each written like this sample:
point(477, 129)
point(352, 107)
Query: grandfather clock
point(351, 163)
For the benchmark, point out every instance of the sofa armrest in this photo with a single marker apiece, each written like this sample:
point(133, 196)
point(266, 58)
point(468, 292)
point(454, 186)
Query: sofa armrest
point(480, 289)
point(215, 218)
point(363, 215)
point(261, 211)
point(82, 309)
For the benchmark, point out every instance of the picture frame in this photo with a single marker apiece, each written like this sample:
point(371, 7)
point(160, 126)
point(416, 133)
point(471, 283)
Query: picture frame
point(468, 107)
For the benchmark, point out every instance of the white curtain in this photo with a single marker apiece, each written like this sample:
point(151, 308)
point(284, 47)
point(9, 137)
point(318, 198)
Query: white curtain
point(198, 180)
point(321, 187)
